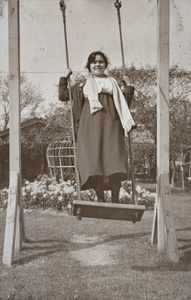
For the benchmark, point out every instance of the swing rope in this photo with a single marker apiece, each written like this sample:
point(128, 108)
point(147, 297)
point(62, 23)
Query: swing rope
point(63, 10)
point(117, 5)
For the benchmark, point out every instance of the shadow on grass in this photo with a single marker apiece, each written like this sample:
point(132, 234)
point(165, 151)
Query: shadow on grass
point(127, 236)
point(184, 264)
point(58, 245)
point(28, 241)
point(183, 229)
point(28, 259)
point(185, 247)
point(26, 248)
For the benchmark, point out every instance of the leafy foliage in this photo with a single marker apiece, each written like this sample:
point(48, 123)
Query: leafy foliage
point(144, 106)
point(2, 4)
point(58, 123)
point(31, 98)
point(33, 160)
point(180, 110)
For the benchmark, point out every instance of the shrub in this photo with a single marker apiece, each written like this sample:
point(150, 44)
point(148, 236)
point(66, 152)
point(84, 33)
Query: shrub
point(46, 192)
point(3, 198)
point(142, 196)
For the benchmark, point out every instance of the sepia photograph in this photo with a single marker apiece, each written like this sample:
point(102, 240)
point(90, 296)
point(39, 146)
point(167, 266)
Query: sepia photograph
point(95, 149)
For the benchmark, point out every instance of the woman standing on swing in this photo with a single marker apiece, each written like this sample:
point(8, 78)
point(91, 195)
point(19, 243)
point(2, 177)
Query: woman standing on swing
point(101, 117)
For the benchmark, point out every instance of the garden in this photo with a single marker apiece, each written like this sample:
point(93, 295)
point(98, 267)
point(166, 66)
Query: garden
point(46, 193)
point(64, 258)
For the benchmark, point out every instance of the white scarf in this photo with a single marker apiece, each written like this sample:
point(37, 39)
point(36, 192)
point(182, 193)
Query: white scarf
point(91, 90)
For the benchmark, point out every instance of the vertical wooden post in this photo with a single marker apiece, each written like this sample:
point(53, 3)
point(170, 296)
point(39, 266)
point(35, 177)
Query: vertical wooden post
point(10, 229)
point(162, 212)
point(163, 87)
point(1, 97)
point(15, 130)
point(162, 116)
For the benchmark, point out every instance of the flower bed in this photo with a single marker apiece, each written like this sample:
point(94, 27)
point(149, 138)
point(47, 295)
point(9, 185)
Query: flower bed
point(4, 198)
point(46, 192)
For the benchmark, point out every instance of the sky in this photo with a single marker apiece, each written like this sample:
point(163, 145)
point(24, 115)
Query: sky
point(92, 25)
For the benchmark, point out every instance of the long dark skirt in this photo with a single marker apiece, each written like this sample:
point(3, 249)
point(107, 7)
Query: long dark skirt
point(100, 145)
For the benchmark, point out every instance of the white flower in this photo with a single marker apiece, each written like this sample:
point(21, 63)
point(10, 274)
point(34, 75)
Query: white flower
point(138, 189)
point(123, 193)
point(56, 191)
point(60, 198)
point(51, 187)
point(43, 186)
point(35, 191)
point(69, 189)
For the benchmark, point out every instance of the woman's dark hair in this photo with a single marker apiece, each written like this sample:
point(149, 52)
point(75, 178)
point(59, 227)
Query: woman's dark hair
point(92, 57)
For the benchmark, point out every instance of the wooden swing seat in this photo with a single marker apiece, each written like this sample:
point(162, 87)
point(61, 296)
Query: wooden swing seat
point(102, 210)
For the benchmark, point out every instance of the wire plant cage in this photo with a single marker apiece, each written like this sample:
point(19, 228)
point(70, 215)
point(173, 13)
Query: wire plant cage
point(60, 158)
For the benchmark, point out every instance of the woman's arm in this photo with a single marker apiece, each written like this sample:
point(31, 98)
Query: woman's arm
point(63, 92)
point(128, 91)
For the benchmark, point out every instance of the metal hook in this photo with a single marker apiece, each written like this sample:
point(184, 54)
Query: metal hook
point(62, 5)
point(117, 4)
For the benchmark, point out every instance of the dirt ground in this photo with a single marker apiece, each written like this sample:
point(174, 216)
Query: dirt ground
point(65, 258)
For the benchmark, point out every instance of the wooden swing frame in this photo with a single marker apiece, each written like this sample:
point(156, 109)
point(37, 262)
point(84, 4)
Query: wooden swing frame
point(163, 230)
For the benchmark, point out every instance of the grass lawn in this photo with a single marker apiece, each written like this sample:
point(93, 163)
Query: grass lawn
point(97, 259)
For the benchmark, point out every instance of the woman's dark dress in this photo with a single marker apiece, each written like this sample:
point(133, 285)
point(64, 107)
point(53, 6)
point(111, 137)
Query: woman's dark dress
point(100, 140)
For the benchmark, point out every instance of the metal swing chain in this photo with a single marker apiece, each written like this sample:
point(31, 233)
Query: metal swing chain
point(63, 10)
point(117, 5)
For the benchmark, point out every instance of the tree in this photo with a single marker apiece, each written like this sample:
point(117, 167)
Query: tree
point(145, 99)
point(144, 106)
point(180, 110)
point(30, 100)
point(2, 4)
point(58, 124)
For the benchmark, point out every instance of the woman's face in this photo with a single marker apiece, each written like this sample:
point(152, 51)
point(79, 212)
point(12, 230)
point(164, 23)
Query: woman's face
point(98, 66)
